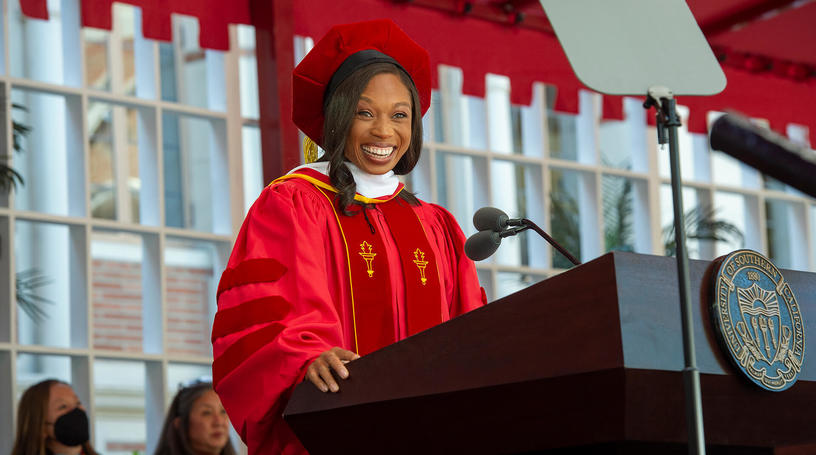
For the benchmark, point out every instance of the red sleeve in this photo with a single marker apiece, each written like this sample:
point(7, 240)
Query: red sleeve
point(459, 272)
point(275, 313)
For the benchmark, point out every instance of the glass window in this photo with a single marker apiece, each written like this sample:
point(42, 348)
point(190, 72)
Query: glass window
point(97, 74)
point(572, 216)
point(486, 281)
point(122, 147)
point(526, 121)
point(562, 136)
point(438, 116)
point(50, 274)
point(34, 368)
point(100, 136)
point(699, 216)
point(515, 190)
point(180, 375)
point(460, 186)
point(193, 269)
point(248, 71)
point(6, 281)
point(738, 214)
point(189, 74)
point(510, 282)
point(51, 157)
point(463, 117)
point(785, 228)
point(572, 137)
point(45, 51)
point(117, 275)
point(119, 408)
point(501, 135)
point(3, 29)
point(110, 56)
point(623, 143)
point(693, 154)
point(253, 165)
point(194, 164)
point(626, 218)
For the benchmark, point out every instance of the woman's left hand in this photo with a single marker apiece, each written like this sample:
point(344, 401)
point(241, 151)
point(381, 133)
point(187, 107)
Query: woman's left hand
point(319, 371)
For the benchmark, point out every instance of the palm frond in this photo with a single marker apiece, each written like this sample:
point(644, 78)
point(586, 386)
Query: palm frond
point(617, 211)
point(19, 130)
point(564, 225)
point(9, 178)
point(701, 224)
point(28, 299)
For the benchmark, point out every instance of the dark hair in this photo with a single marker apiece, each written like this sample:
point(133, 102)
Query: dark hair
point(339, 113)
point(175, 439)
point(32, 413)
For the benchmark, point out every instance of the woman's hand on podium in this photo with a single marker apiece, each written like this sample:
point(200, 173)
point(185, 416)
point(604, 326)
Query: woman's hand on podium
point(319, 371)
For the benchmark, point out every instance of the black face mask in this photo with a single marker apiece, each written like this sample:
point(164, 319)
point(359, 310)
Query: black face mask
point(71, 429)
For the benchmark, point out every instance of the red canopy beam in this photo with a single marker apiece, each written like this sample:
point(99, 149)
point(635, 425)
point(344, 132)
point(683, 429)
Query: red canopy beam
point(507, 12)
point(730, 18)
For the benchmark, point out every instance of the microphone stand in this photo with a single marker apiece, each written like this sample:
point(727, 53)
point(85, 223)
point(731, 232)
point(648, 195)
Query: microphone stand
point(527, 224)
point(662, 99)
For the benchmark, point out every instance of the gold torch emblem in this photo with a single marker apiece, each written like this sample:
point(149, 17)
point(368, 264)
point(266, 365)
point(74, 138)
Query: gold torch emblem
point(421, 263)
point(368, 256)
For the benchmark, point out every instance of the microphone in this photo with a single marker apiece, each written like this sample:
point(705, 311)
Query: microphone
point(493, 219)
point(494, 225)
point(482, 244)
point(766, 151)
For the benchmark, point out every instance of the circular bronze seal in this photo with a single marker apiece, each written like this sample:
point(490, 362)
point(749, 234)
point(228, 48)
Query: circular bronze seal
point(757, 320)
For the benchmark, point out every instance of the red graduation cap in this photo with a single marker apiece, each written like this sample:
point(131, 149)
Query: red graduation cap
point(344, 49)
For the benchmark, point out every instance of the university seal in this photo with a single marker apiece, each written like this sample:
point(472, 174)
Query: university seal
point(758, 320)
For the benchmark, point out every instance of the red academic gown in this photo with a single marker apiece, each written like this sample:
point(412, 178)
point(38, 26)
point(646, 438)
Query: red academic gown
point(285, 297)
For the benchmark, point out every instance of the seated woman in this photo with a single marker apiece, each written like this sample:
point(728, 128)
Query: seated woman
point(336, 259)
point(51, 420)
point(196, 423)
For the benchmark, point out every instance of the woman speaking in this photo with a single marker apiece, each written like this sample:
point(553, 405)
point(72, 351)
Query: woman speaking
point(336, 259)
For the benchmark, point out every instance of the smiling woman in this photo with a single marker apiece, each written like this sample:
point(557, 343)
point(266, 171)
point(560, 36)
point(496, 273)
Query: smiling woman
point(336, 259)
point(381, 130)
point(51, 420)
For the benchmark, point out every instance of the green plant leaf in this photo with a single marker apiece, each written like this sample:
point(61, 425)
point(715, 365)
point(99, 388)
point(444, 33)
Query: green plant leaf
point(701, 224)
point(28, 299)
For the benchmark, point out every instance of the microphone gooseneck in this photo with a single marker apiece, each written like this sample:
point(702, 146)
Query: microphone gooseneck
point(493, 225)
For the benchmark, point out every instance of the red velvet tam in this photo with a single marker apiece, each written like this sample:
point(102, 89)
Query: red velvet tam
point(343, 50)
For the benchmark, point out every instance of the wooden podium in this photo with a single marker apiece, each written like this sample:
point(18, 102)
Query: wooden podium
point(588, 361)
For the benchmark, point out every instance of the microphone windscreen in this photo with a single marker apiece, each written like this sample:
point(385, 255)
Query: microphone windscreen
point(482, 244)
point(766, 151)
point(490, 218)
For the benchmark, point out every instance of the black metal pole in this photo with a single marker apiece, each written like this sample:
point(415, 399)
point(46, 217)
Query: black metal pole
point(691, 375)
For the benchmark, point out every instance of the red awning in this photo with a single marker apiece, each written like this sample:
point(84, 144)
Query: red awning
point(767, 47)
point(213, 17)
point(775, 81)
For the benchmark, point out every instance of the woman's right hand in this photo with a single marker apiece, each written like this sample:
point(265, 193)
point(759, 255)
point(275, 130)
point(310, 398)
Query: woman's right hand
point(319, 371)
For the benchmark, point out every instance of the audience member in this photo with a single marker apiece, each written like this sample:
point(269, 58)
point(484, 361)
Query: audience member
point(196, 423)
point(51, 421)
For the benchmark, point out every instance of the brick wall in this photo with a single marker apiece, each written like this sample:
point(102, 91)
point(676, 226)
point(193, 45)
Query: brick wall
point(117, 308)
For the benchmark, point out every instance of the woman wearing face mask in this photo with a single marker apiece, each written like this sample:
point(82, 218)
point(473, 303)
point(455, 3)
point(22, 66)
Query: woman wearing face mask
point(51, 421)
point(196, 423)
point(336, 259)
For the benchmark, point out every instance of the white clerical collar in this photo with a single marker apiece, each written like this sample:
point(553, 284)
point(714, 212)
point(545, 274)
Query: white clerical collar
point(368, 185)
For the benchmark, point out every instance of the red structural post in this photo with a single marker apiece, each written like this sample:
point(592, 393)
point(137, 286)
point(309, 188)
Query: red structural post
point(274, 48)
